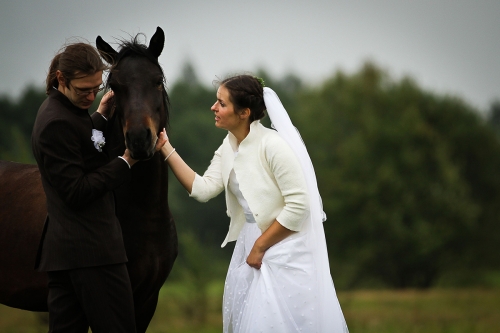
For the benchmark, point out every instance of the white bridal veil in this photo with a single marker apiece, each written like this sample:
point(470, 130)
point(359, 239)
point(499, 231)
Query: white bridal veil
point(329, 314)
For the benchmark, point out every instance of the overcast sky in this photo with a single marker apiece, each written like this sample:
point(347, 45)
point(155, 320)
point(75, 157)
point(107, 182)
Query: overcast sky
point(449, 46)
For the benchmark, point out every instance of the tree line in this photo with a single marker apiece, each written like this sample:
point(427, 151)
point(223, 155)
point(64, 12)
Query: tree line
point(409, 178)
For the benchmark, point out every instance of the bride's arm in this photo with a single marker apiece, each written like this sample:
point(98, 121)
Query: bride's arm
point(274, 234)
point(181, 170)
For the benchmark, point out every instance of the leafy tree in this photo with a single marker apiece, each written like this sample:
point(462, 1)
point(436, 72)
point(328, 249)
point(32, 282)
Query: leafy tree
point(16, 123)
point(494, 116)
point(193, 134)
point(401, 173)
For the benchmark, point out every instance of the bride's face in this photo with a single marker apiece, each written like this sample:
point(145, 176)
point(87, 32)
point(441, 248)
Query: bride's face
point(225, 117)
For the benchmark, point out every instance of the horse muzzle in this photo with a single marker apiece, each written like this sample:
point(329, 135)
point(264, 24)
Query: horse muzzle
point(140, 144)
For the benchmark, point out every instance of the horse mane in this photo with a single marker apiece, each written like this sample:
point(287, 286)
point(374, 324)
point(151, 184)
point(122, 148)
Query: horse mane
point(134, 47)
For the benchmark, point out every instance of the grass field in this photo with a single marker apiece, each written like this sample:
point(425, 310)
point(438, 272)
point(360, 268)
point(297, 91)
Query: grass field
point(181, 310)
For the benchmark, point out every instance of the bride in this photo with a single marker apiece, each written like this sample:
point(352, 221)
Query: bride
point(279, 277)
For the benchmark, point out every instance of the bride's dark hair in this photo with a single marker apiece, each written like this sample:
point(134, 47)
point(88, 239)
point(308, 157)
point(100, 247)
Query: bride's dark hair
point(246, 91)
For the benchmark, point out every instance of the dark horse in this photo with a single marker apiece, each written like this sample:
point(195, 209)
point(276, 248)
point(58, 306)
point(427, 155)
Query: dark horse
point(141, 112)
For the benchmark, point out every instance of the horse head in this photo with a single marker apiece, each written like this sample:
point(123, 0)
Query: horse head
point(138, 82)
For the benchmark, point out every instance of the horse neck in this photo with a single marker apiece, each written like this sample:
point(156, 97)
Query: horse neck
point(145, 197)
point(149, 180)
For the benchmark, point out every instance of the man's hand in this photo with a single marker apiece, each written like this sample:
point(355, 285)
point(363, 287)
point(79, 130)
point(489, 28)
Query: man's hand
point(107, 105)
point(126, 156)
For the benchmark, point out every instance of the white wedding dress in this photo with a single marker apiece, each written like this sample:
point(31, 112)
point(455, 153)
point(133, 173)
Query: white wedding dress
point(286, 295)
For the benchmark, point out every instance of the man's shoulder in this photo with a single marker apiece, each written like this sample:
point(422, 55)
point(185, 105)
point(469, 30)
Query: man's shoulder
point(52, 103)
point(54, 118)
point(52, 109)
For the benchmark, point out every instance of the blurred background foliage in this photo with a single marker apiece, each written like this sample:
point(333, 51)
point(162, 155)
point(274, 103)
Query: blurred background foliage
point(409, 178)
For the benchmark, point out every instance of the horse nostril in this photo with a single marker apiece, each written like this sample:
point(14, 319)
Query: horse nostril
point(139, 140)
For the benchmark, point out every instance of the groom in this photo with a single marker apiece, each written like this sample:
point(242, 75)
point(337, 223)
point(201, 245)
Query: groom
point(82, 248)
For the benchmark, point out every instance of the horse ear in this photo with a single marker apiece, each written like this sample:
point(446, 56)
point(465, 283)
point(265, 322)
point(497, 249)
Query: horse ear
point(105, 50)
point(157, 42)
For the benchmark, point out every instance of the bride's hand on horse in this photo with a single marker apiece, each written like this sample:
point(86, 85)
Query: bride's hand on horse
point(107, 105)
point(162, 140)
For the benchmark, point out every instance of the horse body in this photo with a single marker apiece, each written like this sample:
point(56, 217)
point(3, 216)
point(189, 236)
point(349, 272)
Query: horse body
point(149, 232)
point(22, 215)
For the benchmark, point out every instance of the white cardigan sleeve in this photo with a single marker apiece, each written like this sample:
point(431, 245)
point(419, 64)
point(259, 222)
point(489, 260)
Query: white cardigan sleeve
point(211, 183)
point(290, 179)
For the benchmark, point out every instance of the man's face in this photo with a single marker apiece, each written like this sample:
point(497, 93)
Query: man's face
point(82, 91)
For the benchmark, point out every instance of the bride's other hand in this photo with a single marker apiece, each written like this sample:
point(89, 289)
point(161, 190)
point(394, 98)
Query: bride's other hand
point(274, 234)
point(255, 257)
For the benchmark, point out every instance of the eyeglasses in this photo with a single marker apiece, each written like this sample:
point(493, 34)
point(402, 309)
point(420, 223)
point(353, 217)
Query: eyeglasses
point(85, 93)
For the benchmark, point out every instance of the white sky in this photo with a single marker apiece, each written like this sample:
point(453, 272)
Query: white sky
point(449, 46)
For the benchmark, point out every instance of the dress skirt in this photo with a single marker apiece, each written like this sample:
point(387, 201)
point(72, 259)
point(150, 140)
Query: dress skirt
point(280, 297)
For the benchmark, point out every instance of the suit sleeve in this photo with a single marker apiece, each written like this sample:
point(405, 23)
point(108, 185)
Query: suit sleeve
point(64, 164)
point(99, 121)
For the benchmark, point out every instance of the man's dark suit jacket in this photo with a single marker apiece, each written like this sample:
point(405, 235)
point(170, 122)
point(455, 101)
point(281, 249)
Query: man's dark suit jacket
point(82, 229)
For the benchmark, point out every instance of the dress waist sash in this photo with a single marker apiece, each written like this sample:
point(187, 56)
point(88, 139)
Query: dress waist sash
point(249, 218)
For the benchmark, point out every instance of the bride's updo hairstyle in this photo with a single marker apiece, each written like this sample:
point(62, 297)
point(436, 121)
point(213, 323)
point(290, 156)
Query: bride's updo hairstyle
point(246, 91)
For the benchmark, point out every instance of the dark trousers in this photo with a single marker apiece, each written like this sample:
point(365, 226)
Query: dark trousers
point(97, 297)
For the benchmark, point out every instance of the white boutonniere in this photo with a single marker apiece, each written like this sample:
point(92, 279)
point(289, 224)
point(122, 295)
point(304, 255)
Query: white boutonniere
point(99, 140)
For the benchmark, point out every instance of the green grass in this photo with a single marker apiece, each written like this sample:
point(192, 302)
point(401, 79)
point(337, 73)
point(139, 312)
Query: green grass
point(183, 309)
point(432, 311)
